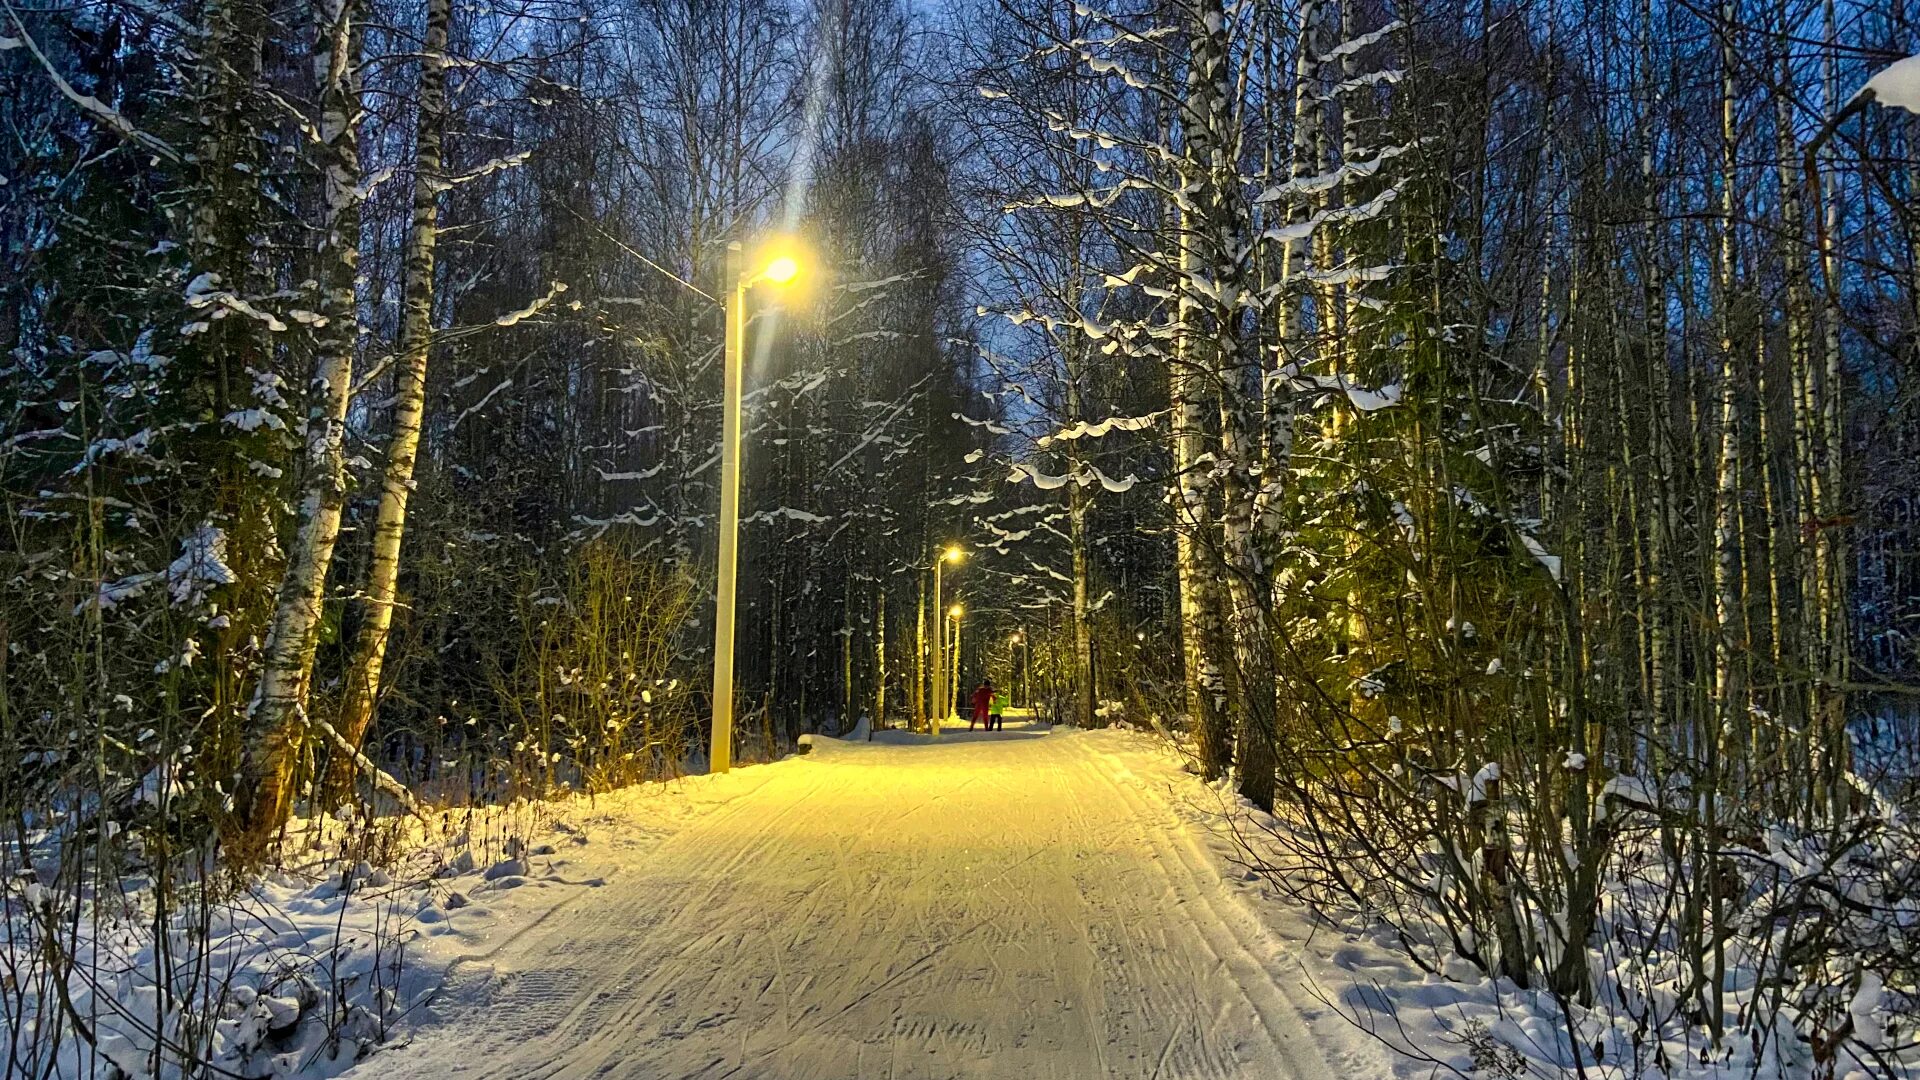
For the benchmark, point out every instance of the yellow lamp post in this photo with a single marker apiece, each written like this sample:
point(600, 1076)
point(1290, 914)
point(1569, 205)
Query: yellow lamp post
point(942, 693)
point(776, 267)
point(1026, 651)
point(954, 614)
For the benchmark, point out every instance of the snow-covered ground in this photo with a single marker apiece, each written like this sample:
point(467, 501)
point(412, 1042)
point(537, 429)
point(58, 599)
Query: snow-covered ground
point(1025, 904)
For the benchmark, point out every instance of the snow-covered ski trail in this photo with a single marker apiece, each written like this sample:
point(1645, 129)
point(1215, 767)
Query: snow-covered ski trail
point(1017, 905)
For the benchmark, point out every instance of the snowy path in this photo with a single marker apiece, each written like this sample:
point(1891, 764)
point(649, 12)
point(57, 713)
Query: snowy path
point(1021, 905)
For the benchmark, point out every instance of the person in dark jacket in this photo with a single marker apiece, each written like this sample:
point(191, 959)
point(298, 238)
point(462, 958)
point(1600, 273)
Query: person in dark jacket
point(982, 701)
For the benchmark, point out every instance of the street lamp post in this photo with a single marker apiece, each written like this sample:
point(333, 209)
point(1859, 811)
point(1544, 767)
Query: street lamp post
point(1026, 675)
point(942, 694)
point(778, 269)
point(954, 613)
point(1026, 670)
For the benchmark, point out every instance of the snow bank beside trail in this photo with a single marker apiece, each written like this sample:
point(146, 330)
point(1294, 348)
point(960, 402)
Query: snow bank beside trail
point(296, 978)
point(1458, 1020)
point(305, 972)
point(828, 746)
point(320, 964)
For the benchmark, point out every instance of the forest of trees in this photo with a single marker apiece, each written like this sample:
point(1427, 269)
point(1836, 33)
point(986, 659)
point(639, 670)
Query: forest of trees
point(1481, 432)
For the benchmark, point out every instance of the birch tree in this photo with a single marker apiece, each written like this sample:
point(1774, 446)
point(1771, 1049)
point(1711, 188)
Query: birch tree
point(362, 688)
point(279, 712)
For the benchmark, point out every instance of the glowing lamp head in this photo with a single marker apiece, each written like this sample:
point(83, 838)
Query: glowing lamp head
point(782, 269)
point(953, 554)
point(955, 611)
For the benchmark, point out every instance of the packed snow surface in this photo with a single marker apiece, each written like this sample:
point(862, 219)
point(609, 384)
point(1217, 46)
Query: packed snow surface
point(1024, 904)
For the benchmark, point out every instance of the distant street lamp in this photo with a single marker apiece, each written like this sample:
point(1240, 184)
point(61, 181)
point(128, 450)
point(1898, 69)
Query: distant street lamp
point(942, 694)
point(954, 614)
point(776, 267)
point(1026, 671)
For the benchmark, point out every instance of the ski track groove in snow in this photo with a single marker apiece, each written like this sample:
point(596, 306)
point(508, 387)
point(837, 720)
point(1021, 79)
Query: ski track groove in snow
point(1017, 905)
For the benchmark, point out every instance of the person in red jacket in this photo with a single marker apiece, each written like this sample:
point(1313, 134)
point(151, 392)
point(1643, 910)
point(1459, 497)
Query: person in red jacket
point(982, 701)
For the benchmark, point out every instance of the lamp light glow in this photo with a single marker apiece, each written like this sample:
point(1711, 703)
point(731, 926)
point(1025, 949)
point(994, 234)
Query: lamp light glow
point(782, 269)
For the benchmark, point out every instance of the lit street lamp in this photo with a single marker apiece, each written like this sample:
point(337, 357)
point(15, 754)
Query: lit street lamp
point(776, 268)
point(954, 613)
point(942, 694)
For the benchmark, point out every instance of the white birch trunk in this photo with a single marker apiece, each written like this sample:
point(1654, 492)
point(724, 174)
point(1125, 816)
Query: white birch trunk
point(1829, 549)
point(280, 703)
point(1220, 236)
point(369, 650)
point(1723, 748)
